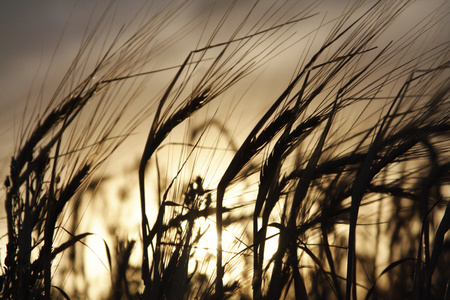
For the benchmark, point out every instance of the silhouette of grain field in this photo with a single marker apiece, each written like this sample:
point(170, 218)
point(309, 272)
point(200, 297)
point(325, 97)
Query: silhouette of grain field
point(243, 150)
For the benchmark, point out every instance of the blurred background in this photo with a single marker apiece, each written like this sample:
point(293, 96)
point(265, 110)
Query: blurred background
point(40, 39)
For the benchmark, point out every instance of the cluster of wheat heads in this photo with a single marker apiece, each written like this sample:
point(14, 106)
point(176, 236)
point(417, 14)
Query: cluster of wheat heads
point(347, 170)
point(62, 146)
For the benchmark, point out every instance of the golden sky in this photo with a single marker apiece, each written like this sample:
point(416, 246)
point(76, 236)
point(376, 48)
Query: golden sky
point(40, 39)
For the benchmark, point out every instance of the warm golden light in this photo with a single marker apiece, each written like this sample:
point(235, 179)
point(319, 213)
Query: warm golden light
point(138, 135)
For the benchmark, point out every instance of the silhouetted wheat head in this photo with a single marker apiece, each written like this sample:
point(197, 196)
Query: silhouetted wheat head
point(345, 175)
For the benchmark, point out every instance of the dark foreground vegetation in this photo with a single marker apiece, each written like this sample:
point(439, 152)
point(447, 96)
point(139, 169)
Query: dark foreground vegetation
point(345, 175)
